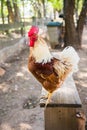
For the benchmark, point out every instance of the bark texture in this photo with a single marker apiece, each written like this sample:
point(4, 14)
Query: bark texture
point(73, 33)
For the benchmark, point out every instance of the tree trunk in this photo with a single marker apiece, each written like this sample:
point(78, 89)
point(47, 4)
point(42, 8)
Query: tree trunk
point(81, 21)
point(39, 10)
point(10, 12)
point(71, 36)
point(16, 12)
point(44, 8)
point(54, 11)
point(2, 12)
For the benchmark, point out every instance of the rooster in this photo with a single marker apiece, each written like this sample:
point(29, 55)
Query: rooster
point(48, 70)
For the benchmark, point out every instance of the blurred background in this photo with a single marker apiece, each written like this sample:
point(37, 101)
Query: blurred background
point(16, 16)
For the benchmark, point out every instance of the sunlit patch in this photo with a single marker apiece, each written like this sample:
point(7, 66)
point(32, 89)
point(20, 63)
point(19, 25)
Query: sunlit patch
point(81, 83)
point(24, 68)
point(4, 88)
point(6, 126)
point(85, 37)
point(20, 74)
point(23, 74)
point(25, 126)
point(2, 71)
point(84, 84)
point(81, 75)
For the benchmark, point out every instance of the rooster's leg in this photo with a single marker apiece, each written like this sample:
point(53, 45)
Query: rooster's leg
point(48, 99)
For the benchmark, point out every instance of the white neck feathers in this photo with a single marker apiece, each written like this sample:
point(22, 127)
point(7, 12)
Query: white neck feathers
point(41, 52)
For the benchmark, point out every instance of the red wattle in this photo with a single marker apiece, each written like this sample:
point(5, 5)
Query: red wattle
point(33, 35)
point(33, 38)
point(31, 44)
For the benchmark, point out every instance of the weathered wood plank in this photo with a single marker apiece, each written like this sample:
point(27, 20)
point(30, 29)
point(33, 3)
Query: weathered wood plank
point(66, 95)
point(60, 118)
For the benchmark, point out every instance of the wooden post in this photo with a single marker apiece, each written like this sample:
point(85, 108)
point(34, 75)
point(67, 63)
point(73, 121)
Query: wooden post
point(60, 114)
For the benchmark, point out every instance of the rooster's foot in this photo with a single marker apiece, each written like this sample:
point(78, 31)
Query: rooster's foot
point(45, 97)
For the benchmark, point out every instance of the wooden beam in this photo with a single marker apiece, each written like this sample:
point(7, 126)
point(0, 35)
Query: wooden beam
point(60, 118)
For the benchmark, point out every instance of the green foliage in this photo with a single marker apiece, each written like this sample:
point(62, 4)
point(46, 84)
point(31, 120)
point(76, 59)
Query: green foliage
point(79, 5)
point(57, 4)
point(5, 12)
point(36, 4)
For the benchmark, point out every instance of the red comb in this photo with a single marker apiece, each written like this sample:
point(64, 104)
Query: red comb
point(33, 30)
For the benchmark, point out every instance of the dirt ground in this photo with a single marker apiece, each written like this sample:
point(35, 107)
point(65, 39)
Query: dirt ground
point(17, 86)
point(8, 40)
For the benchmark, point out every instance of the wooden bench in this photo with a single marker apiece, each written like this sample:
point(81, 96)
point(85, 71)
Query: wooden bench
point(60, 113)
